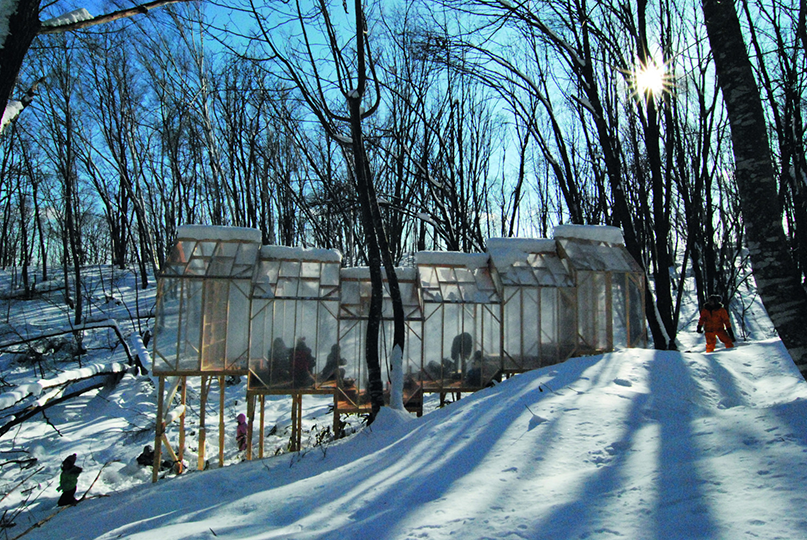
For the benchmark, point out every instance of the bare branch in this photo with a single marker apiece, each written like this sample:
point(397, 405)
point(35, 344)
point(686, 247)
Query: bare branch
point(109, 17)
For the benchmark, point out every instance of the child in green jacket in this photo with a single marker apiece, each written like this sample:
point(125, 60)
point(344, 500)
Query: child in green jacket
point(68, 481)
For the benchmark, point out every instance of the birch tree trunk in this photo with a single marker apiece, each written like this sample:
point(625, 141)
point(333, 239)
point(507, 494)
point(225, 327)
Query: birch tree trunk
point(774, 271)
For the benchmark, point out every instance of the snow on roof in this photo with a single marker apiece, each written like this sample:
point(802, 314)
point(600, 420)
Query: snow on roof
point(526, 245)
point(363, 272)
point(451, 258)
point(300, 254)
point(219, 233)
point(506, 252)
point(597, 233)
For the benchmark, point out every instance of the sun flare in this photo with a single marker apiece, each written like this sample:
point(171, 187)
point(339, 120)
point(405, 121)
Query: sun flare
point(651, 79)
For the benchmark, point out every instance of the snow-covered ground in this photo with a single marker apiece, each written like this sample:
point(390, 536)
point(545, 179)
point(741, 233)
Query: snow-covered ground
point(632, 444)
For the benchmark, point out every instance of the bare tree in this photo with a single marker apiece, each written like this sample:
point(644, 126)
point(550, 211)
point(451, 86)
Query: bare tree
point(775, 273)
point(352, 73)
point(24, 26)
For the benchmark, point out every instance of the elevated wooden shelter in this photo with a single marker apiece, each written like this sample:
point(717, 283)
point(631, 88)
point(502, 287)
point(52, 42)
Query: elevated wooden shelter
point(295, 322)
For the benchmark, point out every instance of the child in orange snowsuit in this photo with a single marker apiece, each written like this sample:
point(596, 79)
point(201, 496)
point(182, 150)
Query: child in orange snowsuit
point(714, 320)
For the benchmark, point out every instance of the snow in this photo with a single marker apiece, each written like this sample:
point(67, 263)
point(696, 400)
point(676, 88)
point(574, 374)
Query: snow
point(508, 252)
point(471, 261)
point(77, 15)
point(11, 112)
point(212, 233)
point(7, 9)
point(595, 233)
point(634, 444)
point(300, 254)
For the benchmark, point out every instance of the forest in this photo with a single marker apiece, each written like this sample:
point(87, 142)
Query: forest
point(476, 119)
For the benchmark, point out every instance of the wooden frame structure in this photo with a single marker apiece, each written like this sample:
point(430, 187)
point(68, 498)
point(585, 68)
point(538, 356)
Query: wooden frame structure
point(462, 322)
point(294, 322)
point(293, 325)
point(201, 326)
point(353, 313)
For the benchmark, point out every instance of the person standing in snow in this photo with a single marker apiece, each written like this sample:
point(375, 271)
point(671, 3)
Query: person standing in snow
point(241, 432)
point(68, 481)
point(714, 320)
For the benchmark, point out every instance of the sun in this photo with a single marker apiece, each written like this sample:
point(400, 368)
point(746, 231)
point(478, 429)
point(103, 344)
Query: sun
point(651, 79)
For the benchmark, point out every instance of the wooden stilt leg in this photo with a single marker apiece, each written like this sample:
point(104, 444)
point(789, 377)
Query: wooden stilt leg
point(221, 421)
point(250, 423)
point(202, 432)
point(184, 398)
point(298, 428)
point(159, 430)
point(263, 412)
point(337, 427)
point(293, 422)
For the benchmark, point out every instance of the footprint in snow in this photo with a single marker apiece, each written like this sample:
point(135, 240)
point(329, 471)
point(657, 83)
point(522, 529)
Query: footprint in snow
point(623, 382)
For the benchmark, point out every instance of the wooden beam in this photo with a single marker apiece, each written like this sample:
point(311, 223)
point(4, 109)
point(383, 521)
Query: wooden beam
point(221, 420)
point(202, 431)
point(250, 422)
point(263, 416)
point(159, 428)
point(183, 399)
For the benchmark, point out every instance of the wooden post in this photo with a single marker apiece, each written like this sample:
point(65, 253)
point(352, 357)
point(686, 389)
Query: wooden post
point(159, 429)
point(202, 431)
point(184, 397)
point(296, 422)
point(336, 420)
point(221, 420)
point(250, 422)
point(263, 412)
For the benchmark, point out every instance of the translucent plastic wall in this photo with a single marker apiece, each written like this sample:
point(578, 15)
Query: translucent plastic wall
point(610, 288)
point(295, 302)
point(595, 319)
point(295, 321)
point(538, 303)
point(628, 310)
point(462, 322)
point(202, 319)
point(353, 316)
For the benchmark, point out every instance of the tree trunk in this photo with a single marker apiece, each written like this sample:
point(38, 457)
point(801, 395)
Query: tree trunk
point(23, 27)
point(774, 271)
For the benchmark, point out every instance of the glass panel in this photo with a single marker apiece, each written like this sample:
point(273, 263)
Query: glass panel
point(166, 324)
point(464, 275)
point(451, 293)
point(513, 330)
point(204, 249)
point(247, 254)
point(191, 326)
point(567, 323)
point(196, 267)
point(445, 275)
point(330, 274)
point(290, 269)
point(619, 305)
point(308, 288)
point(220, 266)
point(310, 270)
point(286, 287)
point(238, 326)
point(214, 331)
point(549, 326)
point(428, 276)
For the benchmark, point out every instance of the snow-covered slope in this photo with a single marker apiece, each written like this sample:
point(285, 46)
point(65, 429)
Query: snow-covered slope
point(632, 444)
point(635, 444)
